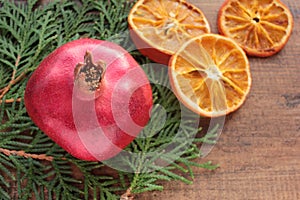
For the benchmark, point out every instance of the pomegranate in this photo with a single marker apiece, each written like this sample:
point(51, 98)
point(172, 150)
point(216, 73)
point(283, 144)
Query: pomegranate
point(91, 97)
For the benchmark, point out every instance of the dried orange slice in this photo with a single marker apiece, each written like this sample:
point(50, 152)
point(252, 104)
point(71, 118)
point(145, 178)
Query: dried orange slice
point(160, 27)
point(261, 27)
point(210, 75)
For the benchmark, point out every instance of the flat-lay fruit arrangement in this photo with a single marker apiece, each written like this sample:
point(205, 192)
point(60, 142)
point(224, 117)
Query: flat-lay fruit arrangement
point(94, 99)
point(210, 74)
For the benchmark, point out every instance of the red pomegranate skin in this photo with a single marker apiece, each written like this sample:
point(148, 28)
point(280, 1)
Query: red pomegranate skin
point(89, 129)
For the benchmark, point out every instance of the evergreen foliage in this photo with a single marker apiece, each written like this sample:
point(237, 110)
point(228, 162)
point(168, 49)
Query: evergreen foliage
point(31, 165)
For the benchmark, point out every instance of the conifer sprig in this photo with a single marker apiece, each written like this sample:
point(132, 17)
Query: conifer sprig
point(32, 166)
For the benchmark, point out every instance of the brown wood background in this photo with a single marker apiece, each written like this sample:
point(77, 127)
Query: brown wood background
point(259, 149)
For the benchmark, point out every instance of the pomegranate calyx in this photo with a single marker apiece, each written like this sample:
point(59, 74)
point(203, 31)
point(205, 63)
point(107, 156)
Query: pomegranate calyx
point(88, 75)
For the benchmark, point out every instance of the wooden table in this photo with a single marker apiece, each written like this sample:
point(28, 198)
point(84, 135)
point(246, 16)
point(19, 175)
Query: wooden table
point(259, 149)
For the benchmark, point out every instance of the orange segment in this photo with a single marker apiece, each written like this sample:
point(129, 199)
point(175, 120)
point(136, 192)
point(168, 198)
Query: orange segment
point(210, 74)
point(261, 27)
point(165, 25)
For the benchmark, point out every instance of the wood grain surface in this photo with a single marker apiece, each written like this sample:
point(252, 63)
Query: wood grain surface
point(259, 149)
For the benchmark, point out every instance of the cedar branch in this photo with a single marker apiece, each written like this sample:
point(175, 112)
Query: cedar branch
point(11, 100)
point(127, 195)
point(26, 155)
point(13, 80)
